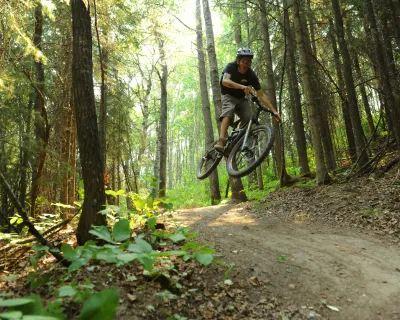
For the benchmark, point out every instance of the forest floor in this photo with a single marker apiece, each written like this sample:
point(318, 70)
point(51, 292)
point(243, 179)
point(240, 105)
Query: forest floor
point(331, 252)
point(328, 252)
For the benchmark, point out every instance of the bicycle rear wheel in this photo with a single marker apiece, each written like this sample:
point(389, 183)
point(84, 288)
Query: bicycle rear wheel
point(209, 161)
point(241, 162)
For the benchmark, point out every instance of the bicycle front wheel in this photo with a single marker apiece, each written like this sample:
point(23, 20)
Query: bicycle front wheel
point(208, 162)
point(244, 159)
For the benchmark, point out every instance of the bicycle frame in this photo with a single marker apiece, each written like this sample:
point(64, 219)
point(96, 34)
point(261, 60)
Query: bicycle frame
point(254, 119)
point(239, 134)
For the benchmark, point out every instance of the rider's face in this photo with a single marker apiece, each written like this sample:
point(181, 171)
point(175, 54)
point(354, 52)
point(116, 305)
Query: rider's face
point(244, 63)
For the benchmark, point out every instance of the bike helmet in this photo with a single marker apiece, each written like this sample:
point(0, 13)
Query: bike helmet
point(244, 52)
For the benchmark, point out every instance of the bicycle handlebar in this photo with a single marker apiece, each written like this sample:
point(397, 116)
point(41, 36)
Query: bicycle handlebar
point(255, 99)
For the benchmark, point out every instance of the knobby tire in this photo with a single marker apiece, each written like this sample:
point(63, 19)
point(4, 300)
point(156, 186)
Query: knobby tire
point(261, 146)
point(208, 162)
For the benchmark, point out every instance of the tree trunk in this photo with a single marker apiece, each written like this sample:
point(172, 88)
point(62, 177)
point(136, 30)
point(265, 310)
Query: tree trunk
point(236, 183)
point(72, 178)
point(86, 121)
point(383, 73)
point(349, 82)
point(296, 109)
point(392, 65)
point(144, 96)
point(205, 102)
point(103, 55)
point(345, 103)
point(212, 60)
point(271, 93)
point(156, 171)
point(360, 79)
point(4, 223)
point(364, 95)
point(387, 121)
point(318, 85)
point(41, 124)
point(66, 154)
point(163, 122)
point(25, 154)
point(237, 26)
point(321, 172)
point(395, 16)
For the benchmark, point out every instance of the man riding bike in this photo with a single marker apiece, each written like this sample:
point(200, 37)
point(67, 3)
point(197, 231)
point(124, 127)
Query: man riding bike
point(237, 81)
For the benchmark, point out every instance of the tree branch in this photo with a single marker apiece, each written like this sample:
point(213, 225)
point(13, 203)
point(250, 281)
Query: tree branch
point(29, 223)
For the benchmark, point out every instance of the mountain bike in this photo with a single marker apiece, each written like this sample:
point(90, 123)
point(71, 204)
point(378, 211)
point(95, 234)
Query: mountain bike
point(246, 147)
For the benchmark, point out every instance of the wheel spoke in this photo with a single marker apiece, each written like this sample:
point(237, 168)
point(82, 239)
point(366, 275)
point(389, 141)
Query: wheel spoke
point(208, 162)
point(259, 143)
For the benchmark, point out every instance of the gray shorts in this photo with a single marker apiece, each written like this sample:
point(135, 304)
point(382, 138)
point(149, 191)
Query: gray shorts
point(240, 107)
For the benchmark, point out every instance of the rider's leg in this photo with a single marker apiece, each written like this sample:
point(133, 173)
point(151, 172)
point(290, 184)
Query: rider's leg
point(244, 111)
point(227, 114)
point(225, 122)
point(220, 145)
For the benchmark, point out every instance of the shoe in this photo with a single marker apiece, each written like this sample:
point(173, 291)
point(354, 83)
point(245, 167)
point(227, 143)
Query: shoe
point(220, 145)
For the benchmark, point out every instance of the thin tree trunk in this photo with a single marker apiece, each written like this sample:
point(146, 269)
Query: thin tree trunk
point(350, 89)
point(163, 134)
point(103, 55)
point(296, 108)
point(66, 154)
point(361, 86)
point(236, 183)
point(72, 178)
point(41, 124)
point(394, 112)
point(237, 26)
point(364, 95)
point(271, 93)
point(395, 17)
point(157, 160)
point(144, 95)
point(392, 65)
point(212, 59)
point(323, 104)
point(321, 172)
point(345, 103)
point(25, 154)
point(205, 102)
point(3, 190)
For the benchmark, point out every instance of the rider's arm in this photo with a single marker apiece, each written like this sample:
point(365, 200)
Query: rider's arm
point(227, 82)
point(264, 99)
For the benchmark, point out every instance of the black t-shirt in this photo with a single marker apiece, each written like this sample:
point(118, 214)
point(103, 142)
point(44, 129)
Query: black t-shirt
point(247, 79)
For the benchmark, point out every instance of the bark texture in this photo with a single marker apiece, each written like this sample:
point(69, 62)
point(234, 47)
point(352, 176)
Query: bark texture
point(86, 122)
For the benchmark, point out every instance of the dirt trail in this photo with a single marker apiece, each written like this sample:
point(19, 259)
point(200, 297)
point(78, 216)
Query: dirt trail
point(310, 267)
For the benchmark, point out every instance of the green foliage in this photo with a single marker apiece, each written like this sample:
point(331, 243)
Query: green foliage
point(27, 308)
point(17, 219)
point(74, 290)
point(193, 194)
point(371, 213)
point(9, 236)
point(102, 305)
point(261, 194)
point(118, 250)
point(306, 184)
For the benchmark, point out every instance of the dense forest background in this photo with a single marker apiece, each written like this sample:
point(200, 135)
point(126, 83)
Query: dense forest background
point(330, 67)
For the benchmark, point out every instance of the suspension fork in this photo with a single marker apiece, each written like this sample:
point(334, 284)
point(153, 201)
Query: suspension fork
point(246, 136)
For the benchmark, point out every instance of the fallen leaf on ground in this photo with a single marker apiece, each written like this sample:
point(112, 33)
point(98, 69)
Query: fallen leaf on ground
point(333, 308)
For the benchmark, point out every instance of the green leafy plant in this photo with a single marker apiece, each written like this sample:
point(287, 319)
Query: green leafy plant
point(26, 308)
point(102, 305)
point(38, 276)
point(121, 245)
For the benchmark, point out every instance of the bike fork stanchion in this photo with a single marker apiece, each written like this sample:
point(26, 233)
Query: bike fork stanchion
point(246, 136)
